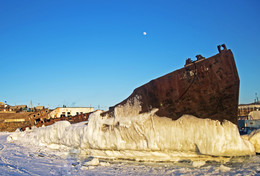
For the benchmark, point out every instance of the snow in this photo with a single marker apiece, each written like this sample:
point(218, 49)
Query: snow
point(19, 160)
point(93, 162)
point(254, 115)
point(144, 137)
point(198, 164)
point(254, 138)
point(224, 168)
point(38, 160)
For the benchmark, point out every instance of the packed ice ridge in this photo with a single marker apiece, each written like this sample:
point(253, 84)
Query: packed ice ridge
point(145, 136)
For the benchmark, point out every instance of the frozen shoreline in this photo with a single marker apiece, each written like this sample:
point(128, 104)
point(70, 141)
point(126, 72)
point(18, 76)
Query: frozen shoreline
point(20, 160)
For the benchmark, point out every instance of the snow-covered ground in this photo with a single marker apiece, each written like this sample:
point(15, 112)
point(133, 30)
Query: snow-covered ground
point(130, 143)
point(27, 160)
point(146, 138)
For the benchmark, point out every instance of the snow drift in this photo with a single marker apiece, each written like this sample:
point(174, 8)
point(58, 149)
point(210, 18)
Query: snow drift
point(254, 138)
point(141, 136)
point(254, 115)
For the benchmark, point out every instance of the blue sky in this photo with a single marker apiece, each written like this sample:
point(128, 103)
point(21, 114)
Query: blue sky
point(82, 53)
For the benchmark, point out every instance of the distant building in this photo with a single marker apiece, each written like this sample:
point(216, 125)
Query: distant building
point(70, 111)
point(245, 109)
point(4, 107)
point(18, 108)
point(39, 108)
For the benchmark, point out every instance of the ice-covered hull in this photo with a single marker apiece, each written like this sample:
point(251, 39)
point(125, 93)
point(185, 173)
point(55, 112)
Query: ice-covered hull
point(206, 88)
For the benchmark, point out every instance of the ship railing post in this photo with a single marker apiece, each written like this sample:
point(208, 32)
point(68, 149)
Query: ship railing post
point(221, 46)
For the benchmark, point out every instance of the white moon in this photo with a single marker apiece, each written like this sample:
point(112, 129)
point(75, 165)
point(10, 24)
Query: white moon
point(144, 33)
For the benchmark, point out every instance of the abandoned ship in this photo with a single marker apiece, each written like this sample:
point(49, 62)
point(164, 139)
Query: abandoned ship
point(205, 88)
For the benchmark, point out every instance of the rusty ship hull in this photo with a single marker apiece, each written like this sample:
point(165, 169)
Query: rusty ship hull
point(206, 88)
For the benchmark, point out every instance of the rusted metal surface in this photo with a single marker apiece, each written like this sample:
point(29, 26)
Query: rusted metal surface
point(206, 88)
point(38, 116)
point(40, 121)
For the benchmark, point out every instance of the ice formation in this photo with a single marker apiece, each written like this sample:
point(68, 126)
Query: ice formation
point(141, 136)
point(93, 162)
point(254, 138)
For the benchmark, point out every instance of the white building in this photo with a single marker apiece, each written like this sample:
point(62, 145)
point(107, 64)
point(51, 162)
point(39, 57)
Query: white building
point(70, 111)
